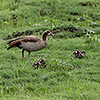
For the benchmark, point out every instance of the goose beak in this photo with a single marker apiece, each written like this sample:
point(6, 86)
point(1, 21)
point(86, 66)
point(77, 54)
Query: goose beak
point(51, 34)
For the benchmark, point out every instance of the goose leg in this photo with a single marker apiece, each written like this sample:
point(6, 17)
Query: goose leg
point(22, 54)
point(29, 54)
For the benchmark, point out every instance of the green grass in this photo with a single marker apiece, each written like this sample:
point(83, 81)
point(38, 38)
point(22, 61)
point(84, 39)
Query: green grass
point(65, 76)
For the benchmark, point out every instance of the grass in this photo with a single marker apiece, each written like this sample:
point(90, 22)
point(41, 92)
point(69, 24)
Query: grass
point(65, 76)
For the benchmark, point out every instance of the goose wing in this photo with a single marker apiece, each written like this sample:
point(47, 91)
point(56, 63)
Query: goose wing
point(18, 41)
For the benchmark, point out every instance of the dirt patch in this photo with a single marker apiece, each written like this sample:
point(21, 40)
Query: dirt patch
point(18, 34)
point(71, 29)
point(54, 31)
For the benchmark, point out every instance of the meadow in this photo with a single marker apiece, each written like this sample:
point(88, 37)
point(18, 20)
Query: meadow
point(76, 26)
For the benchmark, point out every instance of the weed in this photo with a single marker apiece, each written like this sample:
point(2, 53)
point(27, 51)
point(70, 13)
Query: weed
point(52, 22)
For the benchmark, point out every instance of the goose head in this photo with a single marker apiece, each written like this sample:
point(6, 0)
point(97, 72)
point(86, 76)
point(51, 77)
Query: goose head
point(46, 33)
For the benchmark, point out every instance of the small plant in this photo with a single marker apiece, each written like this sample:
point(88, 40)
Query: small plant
point(87, 21)
point(90, 36)
point(58, 64)
point(93, 24)
point(52, 22)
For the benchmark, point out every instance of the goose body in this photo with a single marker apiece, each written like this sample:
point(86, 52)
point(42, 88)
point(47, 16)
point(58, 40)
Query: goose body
point(30, 43)
point(33, 46)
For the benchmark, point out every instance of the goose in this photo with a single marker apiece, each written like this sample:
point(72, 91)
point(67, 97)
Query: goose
point(78, 53)
point(30, 43)
point(41, 63)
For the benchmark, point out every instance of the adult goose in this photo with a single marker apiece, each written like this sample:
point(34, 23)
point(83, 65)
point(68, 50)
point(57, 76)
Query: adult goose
point(30, 43)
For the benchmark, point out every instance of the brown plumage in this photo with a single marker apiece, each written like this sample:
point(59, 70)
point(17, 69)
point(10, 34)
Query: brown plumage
point(30, 43)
